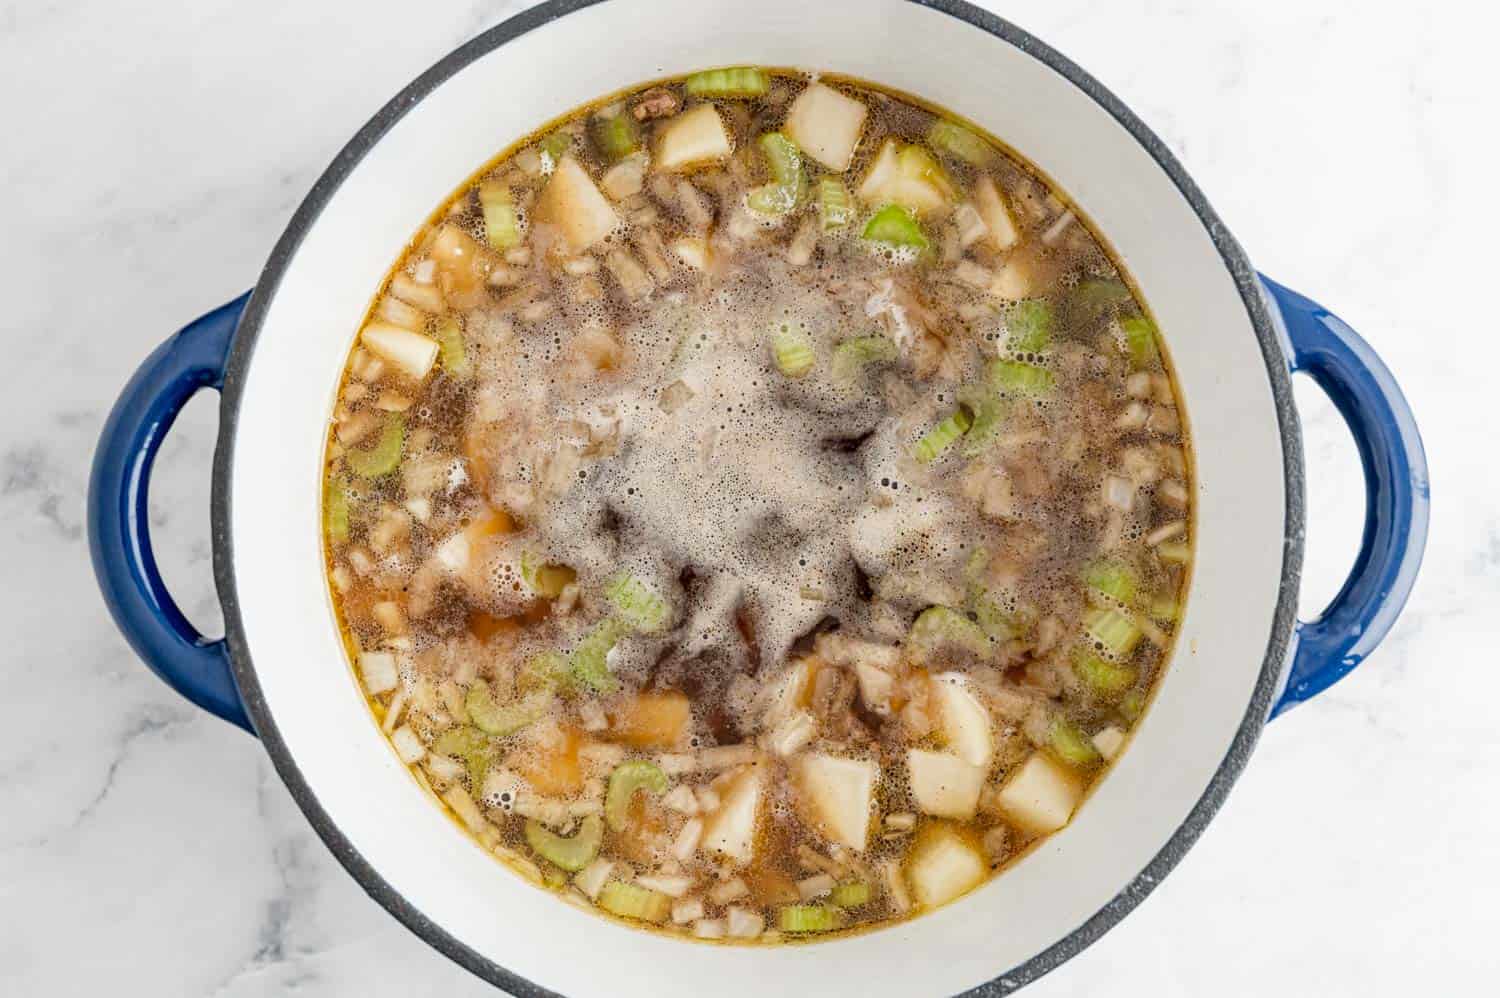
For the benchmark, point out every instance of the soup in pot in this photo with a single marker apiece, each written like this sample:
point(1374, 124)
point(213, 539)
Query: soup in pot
point(758, 507)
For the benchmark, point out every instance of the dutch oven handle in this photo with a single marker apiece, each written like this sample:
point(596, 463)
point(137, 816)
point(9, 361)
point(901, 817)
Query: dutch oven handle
point(119, 534)
point(1323, 346)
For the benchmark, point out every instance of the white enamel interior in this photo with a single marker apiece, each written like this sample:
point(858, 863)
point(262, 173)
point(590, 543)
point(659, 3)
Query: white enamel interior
point(287, 397)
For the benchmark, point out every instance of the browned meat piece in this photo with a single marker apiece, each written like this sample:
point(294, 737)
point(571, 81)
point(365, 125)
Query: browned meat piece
point(656, 103)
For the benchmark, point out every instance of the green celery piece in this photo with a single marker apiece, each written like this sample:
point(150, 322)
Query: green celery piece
point(989, 415)
point(336, 511)
point(835, 205)
point(1071, 745)
point(895, 226)
point(810, 918)
point(502, 720)
point(1175, 553)
point(993, 620)
point(616, 136)
point(1113, 631)
point(1132, 706)
point(451, 353)
point(1029, 326)
point(383, 457)
point(852, 356)
point(1163, 609)
point(1112, 579)
point(936, 441)
point(957, 141)
point(1140, 341)
point(851, 894)
point(737, 81)
point(627, 778)
point(567, 853)
point(556, 145)
point(792, 349)
point(469, 744)
point(1093, 297)
point(589, 663)
point(548, 670)
point(1104, 679)
point(636, 605)
point(783, 158)
point(634, 901)
point(1014, 377)
point(502, 226)
point(940, 625)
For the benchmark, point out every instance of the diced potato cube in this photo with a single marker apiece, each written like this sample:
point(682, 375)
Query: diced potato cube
point(730, 830)
point(964, 720)
point(904, 175)
point(1040, 797)
point(875, 686)
point(826, 124)
point(944, 785)
point(943, 865)
point(692, 138)
point(411, 353)
point(576, 206)
point(1109, 742)
point(996, 214)
point(837, 794)
point(379, 671)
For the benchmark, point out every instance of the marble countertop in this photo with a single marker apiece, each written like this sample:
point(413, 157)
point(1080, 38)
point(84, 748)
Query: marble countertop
point(153, 153)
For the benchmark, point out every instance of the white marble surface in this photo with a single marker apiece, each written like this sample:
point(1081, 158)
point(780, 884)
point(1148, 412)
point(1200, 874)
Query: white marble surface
point(153, 152)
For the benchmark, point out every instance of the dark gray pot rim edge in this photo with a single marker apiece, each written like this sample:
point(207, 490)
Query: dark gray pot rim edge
point(1283, 620)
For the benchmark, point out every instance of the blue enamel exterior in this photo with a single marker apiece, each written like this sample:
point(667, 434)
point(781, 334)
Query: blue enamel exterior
point(119, 536)
point(1321, 345)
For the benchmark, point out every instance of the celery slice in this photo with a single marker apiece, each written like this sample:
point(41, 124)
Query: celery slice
point(1140, 340)
point(993, 620)
point(1132, 706)
point(851, 895)
point(546, 671)
point(1072, 746)
point(616, 136)
point(737, 81)
point(835, 205)
point(771, 199)
point(810, 918)
point(989, 412)
point(451, 352)
point(1113, 580)
point(638, 606)
point(1095, 296)
point(336, 511)
point(502, 720)
point(852, 356)
point(1113, 631)
point(385, 455)
point(634, 901)
point(556, 145)
point(627, 778)
point(1029, 326)
point(957, 141)
point(589, 664)
point(502, 227)
point(1104, 679)
point(1163, 609)
point(895, 226)
point(469, 744)
point(792, 350)
point(1014, 377)
point(936, 441)
point(942, 625)
point(783, 158)
point(567, 853)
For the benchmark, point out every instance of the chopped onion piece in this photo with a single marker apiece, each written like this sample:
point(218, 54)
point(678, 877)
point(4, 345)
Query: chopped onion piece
point(743, 923)
point(412, 353)
point(408, 746)
point(1119, 492)
point(379, 671)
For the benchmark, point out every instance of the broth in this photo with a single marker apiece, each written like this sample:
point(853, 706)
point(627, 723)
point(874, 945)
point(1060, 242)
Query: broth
point(758, 507)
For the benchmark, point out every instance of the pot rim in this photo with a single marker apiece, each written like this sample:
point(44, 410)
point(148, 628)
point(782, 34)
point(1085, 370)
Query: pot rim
point(1243, 274)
